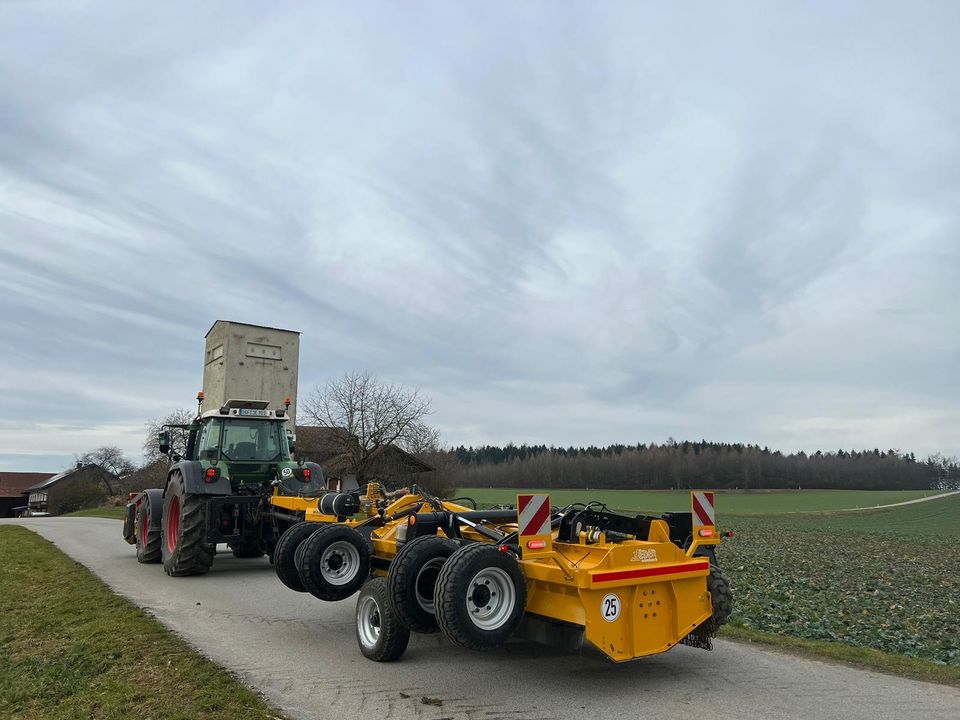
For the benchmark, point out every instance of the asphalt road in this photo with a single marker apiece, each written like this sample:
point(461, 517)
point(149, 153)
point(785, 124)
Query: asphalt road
point(301, 653)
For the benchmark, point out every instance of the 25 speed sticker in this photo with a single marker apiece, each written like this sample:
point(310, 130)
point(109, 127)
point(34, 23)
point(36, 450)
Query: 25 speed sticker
point(610, 607)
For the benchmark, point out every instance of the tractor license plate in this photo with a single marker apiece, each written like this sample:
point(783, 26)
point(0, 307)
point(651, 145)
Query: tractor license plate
point(254, 413)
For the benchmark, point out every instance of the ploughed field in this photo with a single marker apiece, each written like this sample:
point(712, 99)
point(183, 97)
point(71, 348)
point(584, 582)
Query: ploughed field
point(887, 579)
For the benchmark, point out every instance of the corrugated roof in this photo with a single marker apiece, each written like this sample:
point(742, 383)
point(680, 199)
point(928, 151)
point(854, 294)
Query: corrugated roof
point(14, 484)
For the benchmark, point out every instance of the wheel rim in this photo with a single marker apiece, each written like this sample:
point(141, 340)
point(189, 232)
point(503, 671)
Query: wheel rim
point(173, 523)
point(339, 563)
point(491, 598)
point(144, 527)
point(368, 621)
point(426, 582)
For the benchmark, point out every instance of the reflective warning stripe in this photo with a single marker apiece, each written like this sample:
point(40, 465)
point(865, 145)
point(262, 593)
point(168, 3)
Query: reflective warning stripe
point(652, 572)
point(703, 508)
point(534, 514)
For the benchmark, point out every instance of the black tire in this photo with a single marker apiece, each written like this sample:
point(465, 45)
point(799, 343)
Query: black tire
point(335, 562)
point(184, 548)
point(480, 596)
point(413, 578)
point(720, 595)
point(284, 554)
point(247, 549)
point(380, 633)
point(147, 538)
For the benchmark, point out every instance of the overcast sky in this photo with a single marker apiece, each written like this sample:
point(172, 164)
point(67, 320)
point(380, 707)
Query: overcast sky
point(567, 223)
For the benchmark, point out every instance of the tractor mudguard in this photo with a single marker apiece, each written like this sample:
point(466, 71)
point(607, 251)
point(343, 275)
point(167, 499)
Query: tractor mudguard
point(154, 498)
point(193, 480)
point(293, 485)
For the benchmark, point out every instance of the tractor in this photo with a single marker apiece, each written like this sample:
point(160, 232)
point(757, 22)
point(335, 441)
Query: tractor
point(237, 458)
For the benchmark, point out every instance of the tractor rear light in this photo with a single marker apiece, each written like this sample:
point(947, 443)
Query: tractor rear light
point(504, 548)
point(210, 475)
point(306, 474)
point(706, 532)
point(536, 544)
point(412, 520)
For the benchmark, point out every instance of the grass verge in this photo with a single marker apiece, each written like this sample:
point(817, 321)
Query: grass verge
point(860, 657)
point(70, 648)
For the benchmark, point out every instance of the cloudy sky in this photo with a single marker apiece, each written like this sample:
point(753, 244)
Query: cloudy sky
point(567, 223)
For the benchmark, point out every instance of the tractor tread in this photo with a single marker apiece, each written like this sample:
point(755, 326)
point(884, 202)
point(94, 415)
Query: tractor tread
point(192, 556)
point(284, 561)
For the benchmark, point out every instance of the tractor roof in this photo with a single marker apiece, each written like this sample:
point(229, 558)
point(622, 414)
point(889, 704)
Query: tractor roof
point(248, 410)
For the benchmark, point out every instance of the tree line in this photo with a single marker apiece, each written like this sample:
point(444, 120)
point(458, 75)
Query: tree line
point(700, 464)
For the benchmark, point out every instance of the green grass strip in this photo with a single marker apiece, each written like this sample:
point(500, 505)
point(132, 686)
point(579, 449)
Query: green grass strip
point(70, 648)
point(859, 657)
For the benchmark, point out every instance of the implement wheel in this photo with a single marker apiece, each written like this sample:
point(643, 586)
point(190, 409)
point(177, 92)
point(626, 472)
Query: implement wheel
point(480, 596)
point(288, 546)
point(335, 562)
point(147, 538)
point(380, 633)
point(413, 578)
point(184, 546)
point(720, 595)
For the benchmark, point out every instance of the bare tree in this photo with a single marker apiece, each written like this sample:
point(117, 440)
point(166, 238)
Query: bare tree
point(178, 438)
point(110, 459)
point(375, 414)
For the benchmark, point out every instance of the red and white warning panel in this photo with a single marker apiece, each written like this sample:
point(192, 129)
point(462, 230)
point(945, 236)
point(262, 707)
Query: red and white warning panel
point(533, 522)
point(704, 522)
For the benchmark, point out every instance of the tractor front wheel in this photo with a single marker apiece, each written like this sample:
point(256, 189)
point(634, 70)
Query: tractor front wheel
point(147, 538)
point(184, 546)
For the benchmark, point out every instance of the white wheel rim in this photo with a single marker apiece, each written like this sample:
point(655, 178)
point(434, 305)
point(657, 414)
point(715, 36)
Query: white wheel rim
point(340, 563)
point(490, 598)
point(368, 621)
point(426, 582)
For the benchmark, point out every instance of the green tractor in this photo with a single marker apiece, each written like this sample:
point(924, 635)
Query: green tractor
point(236, 458)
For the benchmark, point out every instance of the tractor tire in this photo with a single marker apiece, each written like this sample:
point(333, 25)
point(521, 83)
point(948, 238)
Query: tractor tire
point(184, 547)
point(720, 595)
point(335, 562)
point(413, 578)
point(381, 635)
point(288, 546)
point(249, 549)
point(480, 596)
point(148, 539)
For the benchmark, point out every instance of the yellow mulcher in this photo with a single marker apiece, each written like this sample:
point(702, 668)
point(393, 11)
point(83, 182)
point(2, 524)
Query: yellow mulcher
point(630, 585)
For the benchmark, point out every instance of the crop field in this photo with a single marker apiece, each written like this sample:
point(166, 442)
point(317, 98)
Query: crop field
point(728, 501)
point(887, 579)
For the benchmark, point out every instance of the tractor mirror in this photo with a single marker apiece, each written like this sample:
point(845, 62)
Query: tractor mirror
point(164, 440)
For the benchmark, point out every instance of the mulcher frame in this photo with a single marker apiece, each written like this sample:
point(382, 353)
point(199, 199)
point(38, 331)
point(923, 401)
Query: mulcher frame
point(631, 586)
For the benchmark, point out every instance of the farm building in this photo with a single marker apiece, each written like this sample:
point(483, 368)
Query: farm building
point(13, 490)
point(330, 448)
point(73, 489)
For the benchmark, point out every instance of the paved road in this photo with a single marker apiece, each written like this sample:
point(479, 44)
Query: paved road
point(301, 653)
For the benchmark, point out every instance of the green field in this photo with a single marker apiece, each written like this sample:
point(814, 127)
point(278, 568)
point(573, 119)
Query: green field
point(727, 501)
point(107, 511)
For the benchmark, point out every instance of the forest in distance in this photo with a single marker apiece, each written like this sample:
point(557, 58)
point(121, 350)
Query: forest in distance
point(684, 464)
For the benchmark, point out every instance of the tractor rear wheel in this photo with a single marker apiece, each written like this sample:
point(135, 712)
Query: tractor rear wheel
point(413, 578)
point(480, 596)
point(288, 546)
point(147, 538)
point(720, 595)
point(184, 547)
point(335, 562)
point(380, 633)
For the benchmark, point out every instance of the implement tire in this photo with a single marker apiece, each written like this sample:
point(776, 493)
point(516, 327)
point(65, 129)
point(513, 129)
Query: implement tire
point(381, 635)
point(288, 546)
point(720, 595)
point(480, 596)
point(413, 578)
point(184, 547)
point(147, 538)
point(335, 562)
